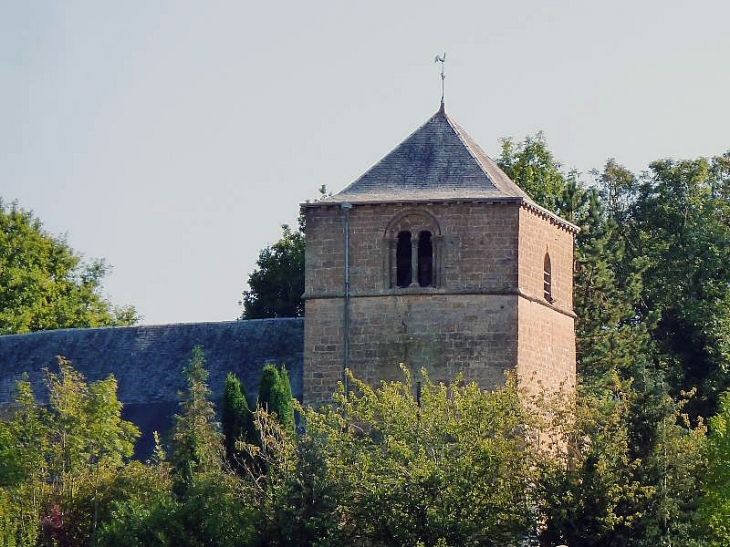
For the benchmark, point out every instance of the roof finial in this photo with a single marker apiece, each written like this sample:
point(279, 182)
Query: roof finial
point(441, 59)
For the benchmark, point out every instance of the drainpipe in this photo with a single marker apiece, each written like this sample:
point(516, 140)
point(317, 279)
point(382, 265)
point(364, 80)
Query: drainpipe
point(346, 319)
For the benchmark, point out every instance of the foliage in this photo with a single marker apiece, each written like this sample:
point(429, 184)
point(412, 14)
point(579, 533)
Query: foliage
point(380, 467)
point(62, 463)
point(236, 418)
point(715, 505)
point(277, 284)
point(680, 226)
point(196, 439)
point(607, 487)
point(44, 284)
point(275, 395)
point(210, 514)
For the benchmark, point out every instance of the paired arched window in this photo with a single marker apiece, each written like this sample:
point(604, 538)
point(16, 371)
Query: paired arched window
point(547, 279)
point(412, 256)
point(404, 259)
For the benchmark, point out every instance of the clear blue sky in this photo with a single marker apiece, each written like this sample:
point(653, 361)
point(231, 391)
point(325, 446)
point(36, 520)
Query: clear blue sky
point(173, 138)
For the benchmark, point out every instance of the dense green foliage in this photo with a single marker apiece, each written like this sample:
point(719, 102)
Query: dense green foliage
point(625, 461)
point(236, 418)
point(715, 506)
point(275, 395)
point(43, 282)
point(196, 439)
point(62, 464)
point(276, 286)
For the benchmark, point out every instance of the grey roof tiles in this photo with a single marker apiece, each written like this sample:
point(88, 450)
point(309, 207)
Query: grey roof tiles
point(438, 161)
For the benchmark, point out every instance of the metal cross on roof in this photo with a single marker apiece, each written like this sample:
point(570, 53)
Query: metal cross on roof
point(441, 59)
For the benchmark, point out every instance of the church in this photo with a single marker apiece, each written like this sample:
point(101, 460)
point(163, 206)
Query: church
point(433, 259)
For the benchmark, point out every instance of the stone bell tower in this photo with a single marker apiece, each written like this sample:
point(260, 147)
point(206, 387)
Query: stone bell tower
point(434, 258)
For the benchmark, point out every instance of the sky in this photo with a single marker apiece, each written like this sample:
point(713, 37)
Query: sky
point(173, 138)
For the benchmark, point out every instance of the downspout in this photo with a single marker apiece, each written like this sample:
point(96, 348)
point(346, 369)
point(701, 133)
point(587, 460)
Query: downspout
point(346, 312)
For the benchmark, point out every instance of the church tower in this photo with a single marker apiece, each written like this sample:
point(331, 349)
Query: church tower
point(435, 259)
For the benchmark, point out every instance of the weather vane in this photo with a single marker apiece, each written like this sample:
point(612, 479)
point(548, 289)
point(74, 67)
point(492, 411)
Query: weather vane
point(441, 59)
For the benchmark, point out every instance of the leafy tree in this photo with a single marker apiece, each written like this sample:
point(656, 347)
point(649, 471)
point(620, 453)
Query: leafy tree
point(715, 504)
point(277, 284)
point(196, 440)
point(608, 487)
point(380, 466)
point(680, 229)
point(211, 513)
point(44, 284)
point(65, 460)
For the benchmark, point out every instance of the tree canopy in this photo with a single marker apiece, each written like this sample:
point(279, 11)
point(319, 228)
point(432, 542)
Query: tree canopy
point(45, 284)
point(277, 284)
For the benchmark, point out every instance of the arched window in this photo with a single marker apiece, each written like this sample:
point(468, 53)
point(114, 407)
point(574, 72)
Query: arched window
point(425, 259)
point(412, 250)
point(404, 275)
point(547, 279)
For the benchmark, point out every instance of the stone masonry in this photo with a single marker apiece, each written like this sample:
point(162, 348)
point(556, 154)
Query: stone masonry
point(484, 310)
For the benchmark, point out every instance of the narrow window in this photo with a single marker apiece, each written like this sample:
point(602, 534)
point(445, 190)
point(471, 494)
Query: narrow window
point(547, 283)
point(403, 260)
point(425, 259)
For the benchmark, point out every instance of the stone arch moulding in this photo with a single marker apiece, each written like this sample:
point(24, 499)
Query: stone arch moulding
point(419, 265)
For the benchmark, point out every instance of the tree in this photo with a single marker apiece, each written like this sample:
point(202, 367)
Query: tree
point(65, 460)
point(275, 395)
point(236, 418)
point(715, 504)
point(196, 440)
point(611, 487)
point(680, 229)
point(44, 284)
point(277, 284)
point(383, 466)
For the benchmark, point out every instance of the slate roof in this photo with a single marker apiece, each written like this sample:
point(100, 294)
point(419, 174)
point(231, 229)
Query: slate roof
point(147, 361)
point(439, 161)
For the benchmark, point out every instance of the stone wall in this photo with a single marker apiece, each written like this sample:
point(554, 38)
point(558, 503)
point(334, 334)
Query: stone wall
point(539, 235)
point(476, 246)
point(441, 333)
point(546, 354)
point(466, 323)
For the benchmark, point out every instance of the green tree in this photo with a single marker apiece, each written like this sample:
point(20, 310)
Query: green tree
point(680, 229)
point(610, 487)
point(275, 395)
point(277, 284)
point(65, 460)
point(715, 504)
point(236, 418)
point(383, 466)
point(44, 284)
point(197, 444)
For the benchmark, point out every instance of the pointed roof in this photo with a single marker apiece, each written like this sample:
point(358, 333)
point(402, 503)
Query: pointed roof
point(437, 162)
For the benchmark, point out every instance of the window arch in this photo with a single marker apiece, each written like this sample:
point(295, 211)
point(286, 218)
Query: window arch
point(412, 243)
point(547, 279)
